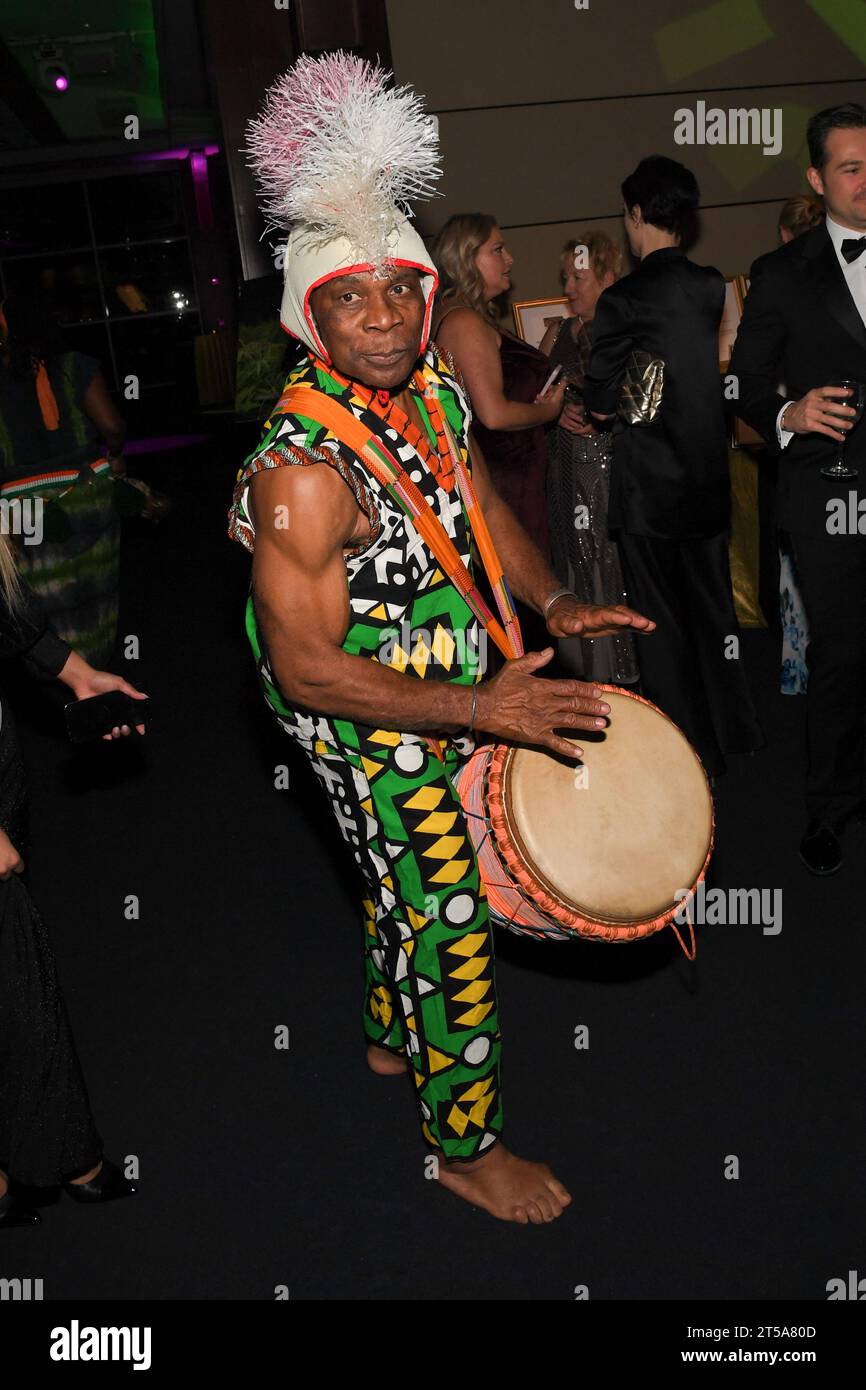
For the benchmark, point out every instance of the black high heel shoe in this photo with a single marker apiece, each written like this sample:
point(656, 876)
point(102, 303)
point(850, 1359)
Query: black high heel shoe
point(14, 1212)
point(108, 1185)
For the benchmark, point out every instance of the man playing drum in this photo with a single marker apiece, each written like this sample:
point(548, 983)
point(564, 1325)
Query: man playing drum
point(369, 651)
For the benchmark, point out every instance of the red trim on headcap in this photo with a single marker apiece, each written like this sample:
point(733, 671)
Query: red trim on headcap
point(425, 270)
point(357, 270)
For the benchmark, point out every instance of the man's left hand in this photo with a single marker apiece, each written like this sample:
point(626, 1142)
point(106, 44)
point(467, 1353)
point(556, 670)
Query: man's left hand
point(569, 618)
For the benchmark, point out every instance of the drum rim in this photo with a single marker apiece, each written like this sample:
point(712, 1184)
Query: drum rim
point(534, 882)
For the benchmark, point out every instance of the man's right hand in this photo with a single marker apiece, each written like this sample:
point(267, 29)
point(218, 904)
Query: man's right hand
point(518, 707)
point(818, 412)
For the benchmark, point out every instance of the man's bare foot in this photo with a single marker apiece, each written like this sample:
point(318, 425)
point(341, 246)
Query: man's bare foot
point(385, 1063)
point(510, 1188)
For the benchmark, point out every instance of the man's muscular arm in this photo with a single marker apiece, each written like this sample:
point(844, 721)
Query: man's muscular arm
point(302, 603)
point(301, 600)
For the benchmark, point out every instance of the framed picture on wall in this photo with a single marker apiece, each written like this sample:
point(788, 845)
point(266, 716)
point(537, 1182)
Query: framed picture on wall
point(533, 317)
point(736, 289)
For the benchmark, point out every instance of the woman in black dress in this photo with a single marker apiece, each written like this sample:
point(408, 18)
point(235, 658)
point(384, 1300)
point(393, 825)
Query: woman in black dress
point(670, 491)
point(47, 1133)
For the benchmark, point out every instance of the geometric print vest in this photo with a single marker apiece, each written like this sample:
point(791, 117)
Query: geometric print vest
point(404, 611)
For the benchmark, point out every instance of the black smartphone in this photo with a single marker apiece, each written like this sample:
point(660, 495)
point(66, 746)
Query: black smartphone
point(98, 715)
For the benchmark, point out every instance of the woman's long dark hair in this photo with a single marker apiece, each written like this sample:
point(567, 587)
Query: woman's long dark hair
point(33, 333)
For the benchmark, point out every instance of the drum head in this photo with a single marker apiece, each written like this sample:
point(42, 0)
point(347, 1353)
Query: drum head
point(616, 836)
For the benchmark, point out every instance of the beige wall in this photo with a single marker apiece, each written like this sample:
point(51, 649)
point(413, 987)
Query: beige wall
point(543, 109)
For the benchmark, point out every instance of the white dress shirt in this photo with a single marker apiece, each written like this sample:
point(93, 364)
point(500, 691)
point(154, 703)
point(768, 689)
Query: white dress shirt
point(855, 279)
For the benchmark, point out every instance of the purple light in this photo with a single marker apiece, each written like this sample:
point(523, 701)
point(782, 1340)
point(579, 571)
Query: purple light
point(214, 279)
point(201, 189)
point(163, 154)
point(61, 83)
point(180, 152)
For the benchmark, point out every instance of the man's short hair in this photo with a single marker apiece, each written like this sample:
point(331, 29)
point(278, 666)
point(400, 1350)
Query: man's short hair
point(849, 116)
point(666, 192)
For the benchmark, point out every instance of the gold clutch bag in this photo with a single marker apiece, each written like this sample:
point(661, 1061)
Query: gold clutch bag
point(642, 389)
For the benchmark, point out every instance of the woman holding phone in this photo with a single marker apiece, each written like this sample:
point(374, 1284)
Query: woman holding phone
point(504, 376)
point(47, 1134)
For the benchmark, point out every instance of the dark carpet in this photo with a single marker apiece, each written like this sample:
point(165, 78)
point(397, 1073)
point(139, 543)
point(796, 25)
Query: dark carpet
point(299, 1167)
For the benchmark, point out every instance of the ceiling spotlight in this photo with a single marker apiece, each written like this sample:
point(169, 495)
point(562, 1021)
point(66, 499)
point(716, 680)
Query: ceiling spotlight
point(53, 71)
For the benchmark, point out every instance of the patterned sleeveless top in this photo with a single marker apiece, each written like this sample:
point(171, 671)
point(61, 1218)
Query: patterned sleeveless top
point(404, 611)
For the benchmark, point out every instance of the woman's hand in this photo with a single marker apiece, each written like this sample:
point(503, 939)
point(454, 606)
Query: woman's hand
point(84, 680)
point(10, 860)
point(552, 401)
point(574, 420)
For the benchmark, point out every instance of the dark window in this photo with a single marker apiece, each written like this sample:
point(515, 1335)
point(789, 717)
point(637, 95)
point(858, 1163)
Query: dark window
point(112, 256)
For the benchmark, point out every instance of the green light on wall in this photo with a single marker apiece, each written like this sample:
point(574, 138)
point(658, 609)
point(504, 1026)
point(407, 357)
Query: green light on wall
point(707, 38)
point(847, 19)
point(742, 165)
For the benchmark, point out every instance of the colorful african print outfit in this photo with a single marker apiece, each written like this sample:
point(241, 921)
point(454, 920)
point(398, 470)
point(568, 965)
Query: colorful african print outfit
point(76, 578)
point(428, 949)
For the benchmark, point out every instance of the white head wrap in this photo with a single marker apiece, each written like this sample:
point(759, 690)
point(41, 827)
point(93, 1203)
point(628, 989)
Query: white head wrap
point(308, 266)
point(338, 153)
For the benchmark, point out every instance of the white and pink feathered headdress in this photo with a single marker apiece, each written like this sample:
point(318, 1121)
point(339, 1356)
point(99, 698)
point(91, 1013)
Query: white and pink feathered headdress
point(339, 155)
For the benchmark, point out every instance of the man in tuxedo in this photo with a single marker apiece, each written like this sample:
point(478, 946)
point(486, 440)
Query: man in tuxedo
point(805, 325)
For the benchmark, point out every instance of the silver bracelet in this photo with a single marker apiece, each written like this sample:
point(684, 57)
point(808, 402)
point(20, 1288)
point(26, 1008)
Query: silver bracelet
point(560, 593)
point(474, 703)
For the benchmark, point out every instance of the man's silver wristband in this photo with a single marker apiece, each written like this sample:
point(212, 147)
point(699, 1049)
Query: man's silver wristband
point(560, 593)
point(474, 703)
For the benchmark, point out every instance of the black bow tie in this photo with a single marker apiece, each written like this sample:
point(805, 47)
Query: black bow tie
point(852, 247)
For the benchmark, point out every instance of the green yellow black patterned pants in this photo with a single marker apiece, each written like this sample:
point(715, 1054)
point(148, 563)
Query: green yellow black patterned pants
point(428, 947)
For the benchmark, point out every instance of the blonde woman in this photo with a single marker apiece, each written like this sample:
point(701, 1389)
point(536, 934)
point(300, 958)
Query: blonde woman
point(578, 481)
point(503, 375)
point(47, 1134)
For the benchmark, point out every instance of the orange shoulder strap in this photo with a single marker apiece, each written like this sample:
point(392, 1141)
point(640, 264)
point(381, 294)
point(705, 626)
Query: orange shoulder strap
point(387, 468)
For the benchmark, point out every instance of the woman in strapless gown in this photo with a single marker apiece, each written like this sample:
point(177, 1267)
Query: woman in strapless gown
point(517, 459)
point(503, 376)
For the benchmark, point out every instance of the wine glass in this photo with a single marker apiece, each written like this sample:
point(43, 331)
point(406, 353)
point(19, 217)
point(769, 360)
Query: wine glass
point(857, 400)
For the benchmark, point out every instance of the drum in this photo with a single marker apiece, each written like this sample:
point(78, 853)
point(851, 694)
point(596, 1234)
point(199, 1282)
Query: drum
point(609, 848)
